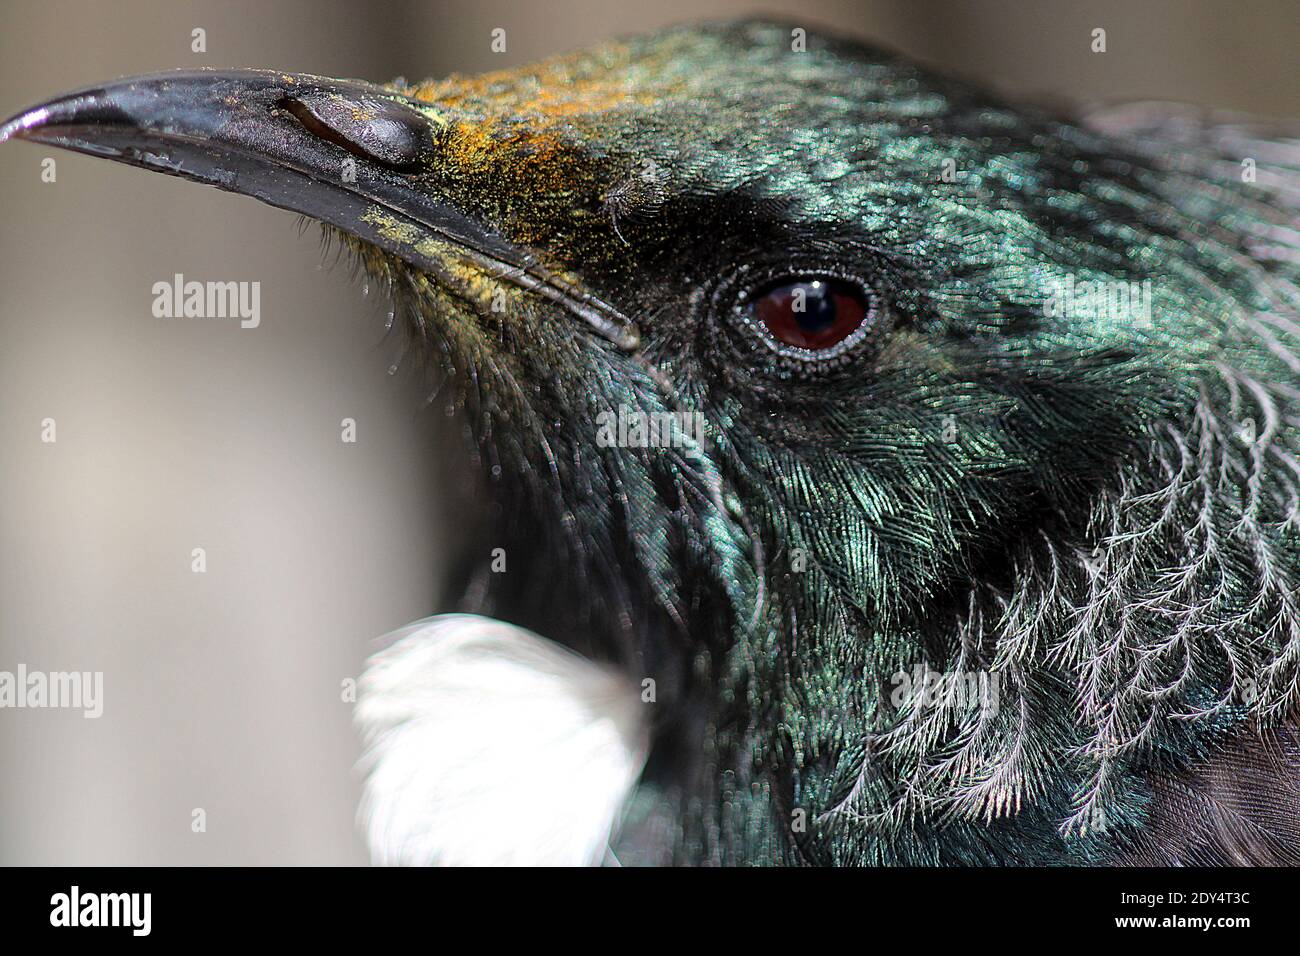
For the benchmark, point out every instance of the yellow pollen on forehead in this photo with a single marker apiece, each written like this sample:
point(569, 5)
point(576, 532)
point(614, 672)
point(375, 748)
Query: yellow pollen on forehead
point(503, 146)
point(557, 91)
point(526, 127)
point(510, 167)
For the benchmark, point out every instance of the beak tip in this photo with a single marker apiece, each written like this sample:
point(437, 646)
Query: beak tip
point(17, 127)
point(50, 115)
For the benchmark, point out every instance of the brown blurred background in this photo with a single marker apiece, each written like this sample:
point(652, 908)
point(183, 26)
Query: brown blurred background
point(223, 689)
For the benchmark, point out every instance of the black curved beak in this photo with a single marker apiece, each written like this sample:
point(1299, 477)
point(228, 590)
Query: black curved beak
point(347, 153)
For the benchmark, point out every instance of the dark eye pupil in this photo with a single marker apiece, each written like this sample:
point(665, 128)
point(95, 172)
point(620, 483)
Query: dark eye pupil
point(812, 313)
point(818, 306)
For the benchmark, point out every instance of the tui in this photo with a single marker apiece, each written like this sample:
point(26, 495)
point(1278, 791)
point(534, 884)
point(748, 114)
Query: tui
point(888, 474)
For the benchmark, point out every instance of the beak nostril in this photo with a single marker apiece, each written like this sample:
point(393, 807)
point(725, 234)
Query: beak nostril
point(374, 129)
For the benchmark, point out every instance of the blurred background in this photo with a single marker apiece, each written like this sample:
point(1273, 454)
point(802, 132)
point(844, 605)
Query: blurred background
point(223, 691)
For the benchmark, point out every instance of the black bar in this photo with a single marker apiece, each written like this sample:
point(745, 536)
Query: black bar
point(658, 907)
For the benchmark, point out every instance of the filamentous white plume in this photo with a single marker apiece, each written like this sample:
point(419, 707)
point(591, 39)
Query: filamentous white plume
point(489, 745)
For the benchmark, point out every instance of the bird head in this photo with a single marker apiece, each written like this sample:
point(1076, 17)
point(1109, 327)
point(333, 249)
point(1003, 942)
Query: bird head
point(801, 371)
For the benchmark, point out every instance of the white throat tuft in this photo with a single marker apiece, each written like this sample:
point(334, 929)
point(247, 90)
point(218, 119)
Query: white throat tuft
point(489, 745)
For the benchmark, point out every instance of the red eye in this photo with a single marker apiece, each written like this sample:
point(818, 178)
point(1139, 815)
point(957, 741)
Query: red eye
point(812, 314)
